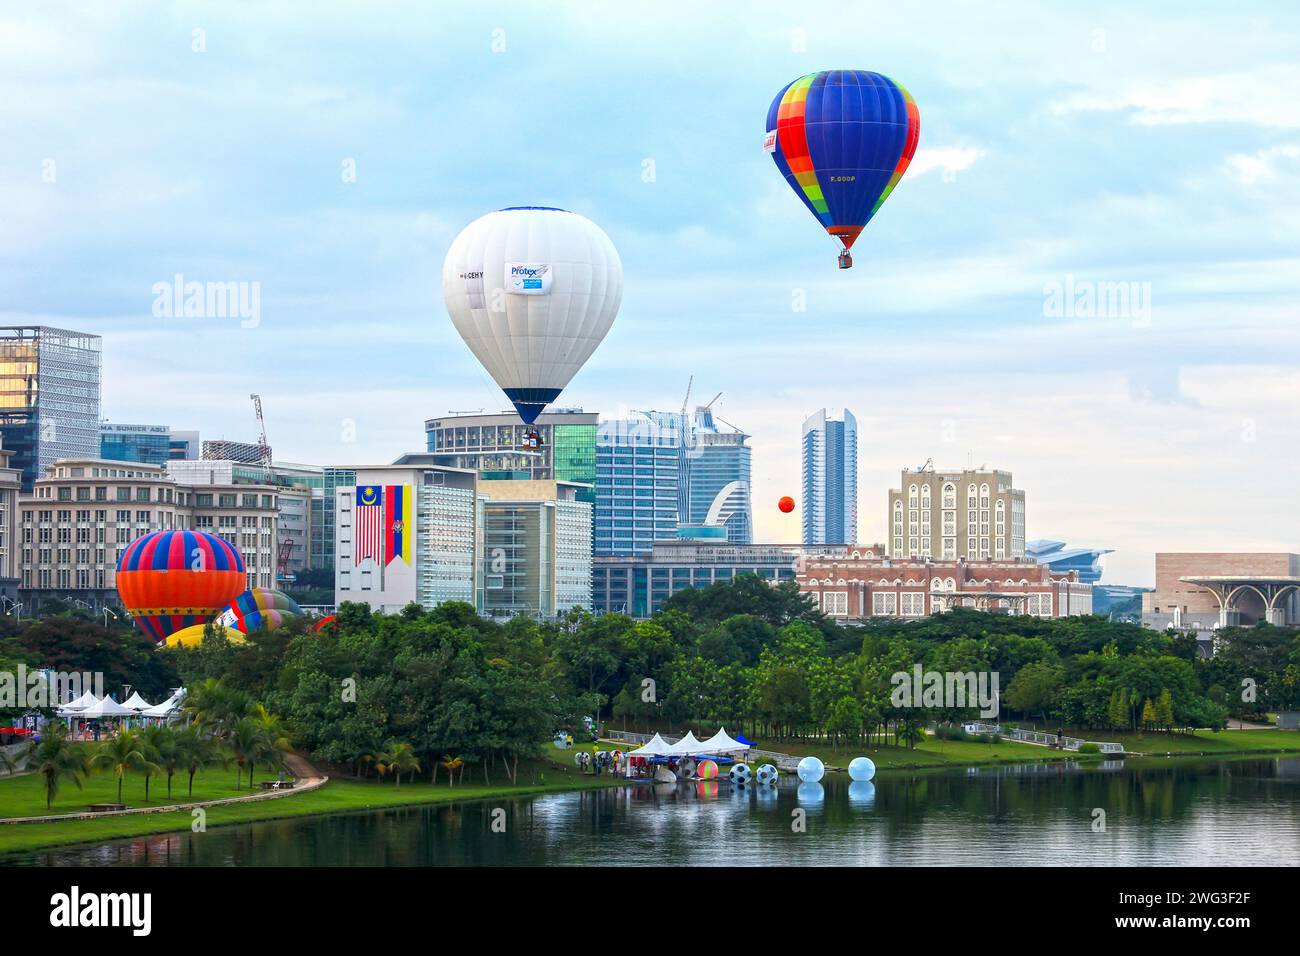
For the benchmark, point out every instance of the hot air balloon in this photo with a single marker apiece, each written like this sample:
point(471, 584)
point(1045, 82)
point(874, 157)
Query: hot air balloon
point(193, 636)
point(532, 290)
point(170, 580)
point(259, 608)
point(843, 139)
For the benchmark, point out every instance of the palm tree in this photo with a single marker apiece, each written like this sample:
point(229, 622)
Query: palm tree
point(912, 732)
point(396, 758)
point(206, 702)
point(125, 753)
point(452, 764)
point(275, 738)
point(246, 745)
point(195, 750)
point(54, 758)
point(162, 744)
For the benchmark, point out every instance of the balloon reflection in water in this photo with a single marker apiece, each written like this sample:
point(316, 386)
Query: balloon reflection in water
point(862, 794)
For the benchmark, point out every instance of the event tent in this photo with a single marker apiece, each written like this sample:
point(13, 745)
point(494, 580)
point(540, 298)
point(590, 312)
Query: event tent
point(721, 743)
point(686, 746)
point(74, 707)
point(107, 707)
point(168, 708)
point(136, 704)
point(656, 746)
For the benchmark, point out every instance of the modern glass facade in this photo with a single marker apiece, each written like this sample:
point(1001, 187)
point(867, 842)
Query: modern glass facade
point(639, 585)
point(638, 469)
point(493, 445)
point(536, 549)
point(49, 396)
point(147, 444)
point(830, 479)
point(445, 545)
point(718, 478)
point(332, 479)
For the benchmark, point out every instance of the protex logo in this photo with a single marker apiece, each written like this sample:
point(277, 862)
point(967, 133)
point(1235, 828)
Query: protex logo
point(528, 278)
point(76, 909)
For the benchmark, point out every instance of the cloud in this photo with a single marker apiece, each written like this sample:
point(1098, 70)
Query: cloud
point(949, 159)
point(1260, 97)
point(1261, 166)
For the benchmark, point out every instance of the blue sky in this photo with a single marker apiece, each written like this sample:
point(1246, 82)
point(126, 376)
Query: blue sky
point(1158, 147)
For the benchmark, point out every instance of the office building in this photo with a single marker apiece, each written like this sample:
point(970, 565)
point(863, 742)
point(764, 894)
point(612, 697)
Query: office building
point(49, 396)
point(638, 484)
point(1209, 590)
point(638, 585)
point(11, 482)
point(78, 519)
point(494, 446)
point(1087, 561)
point(866, 583)
point(147, 444)
point(223, 450)
point(974, 514)
point(718, 477)
point(184, 446)
point(829, 451)
point(537, 547)
point(406, 532)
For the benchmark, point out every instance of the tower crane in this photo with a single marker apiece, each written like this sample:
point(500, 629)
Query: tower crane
point(284, 545)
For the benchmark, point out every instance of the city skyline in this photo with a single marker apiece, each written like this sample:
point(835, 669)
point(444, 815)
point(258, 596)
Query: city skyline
point(1140, 425)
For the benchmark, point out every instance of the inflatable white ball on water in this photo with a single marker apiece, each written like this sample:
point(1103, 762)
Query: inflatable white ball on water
point(811, 770)
point(767, 775)
point(740, 774)
point(862, 768)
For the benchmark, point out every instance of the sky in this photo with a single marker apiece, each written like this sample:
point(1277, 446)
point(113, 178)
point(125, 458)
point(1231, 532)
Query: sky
point(327, 154)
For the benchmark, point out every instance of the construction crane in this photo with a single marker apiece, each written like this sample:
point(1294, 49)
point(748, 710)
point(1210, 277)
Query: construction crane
point(284, 546)
point(687, 400)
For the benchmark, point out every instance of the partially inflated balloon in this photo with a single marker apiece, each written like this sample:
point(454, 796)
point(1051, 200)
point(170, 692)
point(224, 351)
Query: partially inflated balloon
point(532, 290)
point(193, 636)
point(259, 609)
point(171, 580)
point(843, 139)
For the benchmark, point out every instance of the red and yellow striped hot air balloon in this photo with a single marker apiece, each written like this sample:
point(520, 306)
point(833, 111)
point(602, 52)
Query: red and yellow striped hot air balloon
point(171, 580)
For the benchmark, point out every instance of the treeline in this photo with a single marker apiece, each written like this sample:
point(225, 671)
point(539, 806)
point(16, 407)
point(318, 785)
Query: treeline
point(446, 688)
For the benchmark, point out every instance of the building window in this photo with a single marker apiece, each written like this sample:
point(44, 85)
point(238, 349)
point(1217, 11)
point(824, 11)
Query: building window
point(836, 603)
point(884, 604)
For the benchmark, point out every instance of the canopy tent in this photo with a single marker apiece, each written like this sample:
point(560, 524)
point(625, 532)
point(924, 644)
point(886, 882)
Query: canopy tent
point(136, 704)
point(107, 707)
point(656, 746)
point(685, 747)
point(73, 707)
point(168, 708)
point(721, 743)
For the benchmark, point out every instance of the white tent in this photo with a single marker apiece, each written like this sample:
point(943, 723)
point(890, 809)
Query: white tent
point(136, 704)
point(107, 707)
point(722, 743)
point(686, 746)
point(168, 708)
point(656, 746)
point(74, 708)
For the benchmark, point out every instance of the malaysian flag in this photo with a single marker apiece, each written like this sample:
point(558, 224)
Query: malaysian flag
point(369, 522)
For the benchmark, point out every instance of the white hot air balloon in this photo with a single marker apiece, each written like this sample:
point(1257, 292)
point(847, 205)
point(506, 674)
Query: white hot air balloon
point(532, 290)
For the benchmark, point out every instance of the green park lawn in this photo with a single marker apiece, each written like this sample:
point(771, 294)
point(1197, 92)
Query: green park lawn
point(1207, 741)
point(546, 775)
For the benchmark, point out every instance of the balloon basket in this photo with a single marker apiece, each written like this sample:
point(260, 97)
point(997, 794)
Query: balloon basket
point(846, 261)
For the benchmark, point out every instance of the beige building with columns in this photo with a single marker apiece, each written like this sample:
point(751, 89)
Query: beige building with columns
point(966, 514)
point(1206, 590)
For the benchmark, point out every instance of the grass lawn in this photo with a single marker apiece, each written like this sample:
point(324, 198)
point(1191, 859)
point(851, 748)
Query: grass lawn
point(1207, 741)
point(546, 775)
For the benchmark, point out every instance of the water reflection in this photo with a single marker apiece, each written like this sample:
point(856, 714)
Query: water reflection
point(1212, 813)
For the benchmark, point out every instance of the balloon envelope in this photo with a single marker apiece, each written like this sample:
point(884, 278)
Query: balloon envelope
point(843, 139)
point(258, 608)
point(862, 768)
point(171, 580)
point(532, 290)
point(810, 770)
point(192, 636)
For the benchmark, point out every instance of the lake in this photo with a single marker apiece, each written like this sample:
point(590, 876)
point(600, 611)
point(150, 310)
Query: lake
point(1175, 812)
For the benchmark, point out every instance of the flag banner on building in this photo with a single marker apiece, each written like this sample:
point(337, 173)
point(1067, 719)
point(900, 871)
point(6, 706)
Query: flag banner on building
point(369, 521)
point(397, 523)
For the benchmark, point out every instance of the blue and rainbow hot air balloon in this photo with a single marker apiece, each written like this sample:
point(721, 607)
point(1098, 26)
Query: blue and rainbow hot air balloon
point(259, 608)
point(843, 139)
point(171, 580)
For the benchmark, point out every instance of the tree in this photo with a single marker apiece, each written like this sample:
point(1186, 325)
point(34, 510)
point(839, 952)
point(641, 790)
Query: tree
point(1035, 688)
point(397, 758)
point(161, 742)
point(247, 745)
point(1164, 710)
point(122, 754)
point(194, 750)
point(1148, 714)
point(56, 758)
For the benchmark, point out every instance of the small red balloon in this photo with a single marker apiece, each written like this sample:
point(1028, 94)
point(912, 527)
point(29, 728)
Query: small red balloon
point(786, 504)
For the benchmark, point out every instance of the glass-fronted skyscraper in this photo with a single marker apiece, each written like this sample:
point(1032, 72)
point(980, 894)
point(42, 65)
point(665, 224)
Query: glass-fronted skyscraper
point(718, 466)
point(49, 396)
point(829, 453)
point(638, 471)
point(147, 444)
point(493, 445)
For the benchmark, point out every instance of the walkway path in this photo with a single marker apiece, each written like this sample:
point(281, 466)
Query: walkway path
point(308, 778)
